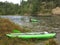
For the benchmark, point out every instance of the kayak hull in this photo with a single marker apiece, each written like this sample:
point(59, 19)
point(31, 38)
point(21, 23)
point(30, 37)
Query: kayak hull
point(39, 36)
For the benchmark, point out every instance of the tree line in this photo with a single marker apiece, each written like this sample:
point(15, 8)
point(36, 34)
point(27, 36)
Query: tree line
point(30, 7)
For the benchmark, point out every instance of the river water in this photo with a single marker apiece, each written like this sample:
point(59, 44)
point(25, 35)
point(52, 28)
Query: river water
point(50, 23)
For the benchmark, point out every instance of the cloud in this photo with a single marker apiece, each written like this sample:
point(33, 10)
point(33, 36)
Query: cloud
point(13, 1)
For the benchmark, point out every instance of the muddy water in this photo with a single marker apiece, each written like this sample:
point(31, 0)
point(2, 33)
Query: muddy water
point(49, 24)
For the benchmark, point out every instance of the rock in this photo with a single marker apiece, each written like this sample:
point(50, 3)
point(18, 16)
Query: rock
point(56, 11)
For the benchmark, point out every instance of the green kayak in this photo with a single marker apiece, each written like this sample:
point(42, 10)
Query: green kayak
point(34, 20)
point(38, 35)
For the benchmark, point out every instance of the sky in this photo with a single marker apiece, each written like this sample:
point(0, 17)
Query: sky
point(13, 1)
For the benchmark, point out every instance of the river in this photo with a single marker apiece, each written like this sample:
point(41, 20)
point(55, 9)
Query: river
point(49, 24)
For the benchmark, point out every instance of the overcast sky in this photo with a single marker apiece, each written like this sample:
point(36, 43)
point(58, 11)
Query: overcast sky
point(14, 1)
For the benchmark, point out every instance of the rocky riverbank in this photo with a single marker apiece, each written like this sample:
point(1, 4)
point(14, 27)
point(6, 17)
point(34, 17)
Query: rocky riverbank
point(45, 24)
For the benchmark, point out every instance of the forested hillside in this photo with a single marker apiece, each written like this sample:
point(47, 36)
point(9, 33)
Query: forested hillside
point(30, 7)
point(9, 8)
